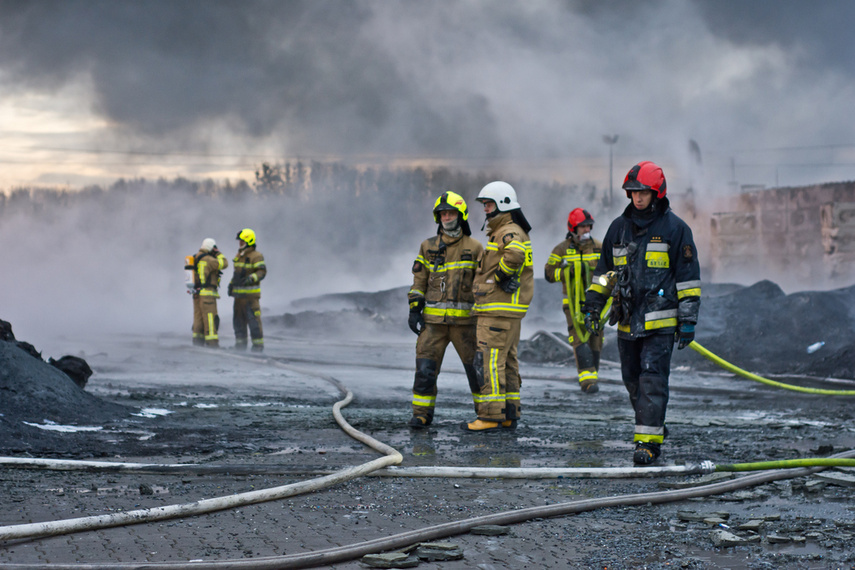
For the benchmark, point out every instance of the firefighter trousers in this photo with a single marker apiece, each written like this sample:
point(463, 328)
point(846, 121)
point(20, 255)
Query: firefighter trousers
point(497, 369)
point(206, 321)
point(247, 315)
point(645, 366)
point(587, 354)
point(430, 349)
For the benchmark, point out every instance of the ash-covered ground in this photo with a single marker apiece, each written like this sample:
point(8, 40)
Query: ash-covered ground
point(158, 400)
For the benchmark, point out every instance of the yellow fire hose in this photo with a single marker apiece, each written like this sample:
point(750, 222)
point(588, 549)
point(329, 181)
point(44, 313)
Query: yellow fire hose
point(736, 370)
point(576, 292)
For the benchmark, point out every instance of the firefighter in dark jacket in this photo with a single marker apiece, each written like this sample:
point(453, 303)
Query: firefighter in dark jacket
point(441, 302)
point(572, 263)
point(208, 265)
point(650, 265)
point(245, 287)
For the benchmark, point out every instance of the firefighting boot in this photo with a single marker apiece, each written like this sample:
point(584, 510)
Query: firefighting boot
point(240, 343)
point(198, 341)
point(646, 452)
point(509, 424)
point(212, 344)
point(420, 422)
point(589, 386)
point(480, 425)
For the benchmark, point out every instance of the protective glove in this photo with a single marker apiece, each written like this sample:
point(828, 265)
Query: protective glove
point(508, 282)
point(231, 289)
point(685, 335)
point(416, 321)
point(592, 322)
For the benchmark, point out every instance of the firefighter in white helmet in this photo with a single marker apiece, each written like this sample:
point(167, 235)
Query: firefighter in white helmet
point(504, 286)
point(572, 263)
point(208, 265)
point(245, 287)
point(441, 302)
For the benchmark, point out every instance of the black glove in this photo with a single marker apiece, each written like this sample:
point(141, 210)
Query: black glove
point(416, 321)
point(507, 281)
point(592, 322)
point(685, 335)
point(231, 289)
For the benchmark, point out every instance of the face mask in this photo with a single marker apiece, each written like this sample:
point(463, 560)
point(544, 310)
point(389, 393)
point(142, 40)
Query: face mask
point(585, 236)
point(452, 225)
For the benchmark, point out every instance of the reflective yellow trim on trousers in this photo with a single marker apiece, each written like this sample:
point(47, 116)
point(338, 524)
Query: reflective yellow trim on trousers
point(648, 438)
point(424, 401)
point(512, 396)
point(459, 313)
point(211, 330)
point(587, 375)
point(500, 307)
point(493, 368)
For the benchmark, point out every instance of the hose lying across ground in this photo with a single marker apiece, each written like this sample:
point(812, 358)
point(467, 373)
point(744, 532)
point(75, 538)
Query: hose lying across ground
point(353, 551)
point(383, 466)
point(736, 370)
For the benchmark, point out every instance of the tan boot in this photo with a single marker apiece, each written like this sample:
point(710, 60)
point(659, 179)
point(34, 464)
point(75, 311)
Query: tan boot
point(589, 386)
point(482, 425)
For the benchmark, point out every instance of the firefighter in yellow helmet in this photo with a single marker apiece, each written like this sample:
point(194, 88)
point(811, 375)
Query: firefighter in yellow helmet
point(572, 263)
point(208, 265)
point(245, 287)
point(441, 302)
point(503, 286)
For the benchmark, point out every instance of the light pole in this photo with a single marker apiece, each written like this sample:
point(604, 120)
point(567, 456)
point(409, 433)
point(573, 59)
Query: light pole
point(610, 140)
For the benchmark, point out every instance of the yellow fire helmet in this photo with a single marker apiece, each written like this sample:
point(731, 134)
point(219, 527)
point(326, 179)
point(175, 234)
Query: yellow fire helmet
point(450, 201)
point(247, 235)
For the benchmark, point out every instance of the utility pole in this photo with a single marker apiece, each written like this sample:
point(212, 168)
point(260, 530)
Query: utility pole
point(610, 140)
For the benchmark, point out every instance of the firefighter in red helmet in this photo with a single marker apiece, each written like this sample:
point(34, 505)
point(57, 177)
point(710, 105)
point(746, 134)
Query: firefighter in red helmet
point(649, 265)
point(572, 263)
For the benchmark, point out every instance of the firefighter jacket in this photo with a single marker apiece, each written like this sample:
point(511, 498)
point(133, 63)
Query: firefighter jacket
point(209, 267)
point(442, 279)
point(509, 249)
point(249, 271)
point(657, 272)
point(579, 260)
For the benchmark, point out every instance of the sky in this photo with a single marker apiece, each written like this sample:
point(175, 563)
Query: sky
point(722, 94)
point(91, 90)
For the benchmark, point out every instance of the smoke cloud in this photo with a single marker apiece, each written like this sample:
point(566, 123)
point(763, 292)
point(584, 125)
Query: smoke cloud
point(465, 80)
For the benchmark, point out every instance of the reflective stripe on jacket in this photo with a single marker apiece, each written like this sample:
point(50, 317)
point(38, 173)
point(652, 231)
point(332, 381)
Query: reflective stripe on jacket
point(248, 263)
point(209, 267)
point(508, 249)
point(442, 278)
point(664, 283)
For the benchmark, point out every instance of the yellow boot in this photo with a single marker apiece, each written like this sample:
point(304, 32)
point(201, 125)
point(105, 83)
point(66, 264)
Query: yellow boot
point(482, 425)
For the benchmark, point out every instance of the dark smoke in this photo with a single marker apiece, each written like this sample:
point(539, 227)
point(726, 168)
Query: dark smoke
point(463, 80)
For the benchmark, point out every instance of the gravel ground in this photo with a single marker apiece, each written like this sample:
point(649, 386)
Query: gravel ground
point(228, 409)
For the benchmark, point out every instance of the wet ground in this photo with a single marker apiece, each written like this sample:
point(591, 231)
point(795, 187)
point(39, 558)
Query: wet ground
point(190, 405)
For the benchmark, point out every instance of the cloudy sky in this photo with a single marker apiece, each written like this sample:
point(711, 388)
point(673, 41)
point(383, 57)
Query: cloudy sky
point(93, 90)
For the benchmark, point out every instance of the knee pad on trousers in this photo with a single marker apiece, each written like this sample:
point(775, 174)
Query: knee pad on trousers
point(425, 376)
point(511, 411)
point(472, 376)
point(584, 356)
point(478, 365)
